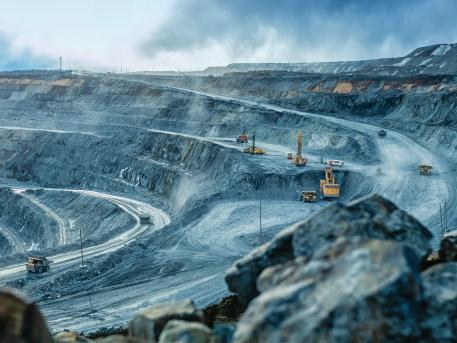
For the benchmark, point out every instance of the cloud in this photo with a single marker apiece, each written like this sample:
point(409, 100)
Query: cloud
point(301, 30)
point(12, 58)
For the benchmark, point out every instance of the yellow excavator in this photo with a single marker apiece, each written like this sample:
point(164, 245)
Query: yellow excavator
point(300, 161)
point(254, 150)
point(329, 187)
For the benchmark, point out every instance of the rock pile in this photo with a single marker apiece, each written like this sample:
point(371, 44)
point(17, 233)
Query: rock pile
point(349, 274)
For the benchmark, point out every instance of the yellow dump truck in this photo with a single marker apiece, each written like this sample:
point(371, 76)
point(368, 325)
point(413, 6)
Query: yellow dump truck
point(425, 169)
point(38, 264)
point(328, 186)
point(308, 196)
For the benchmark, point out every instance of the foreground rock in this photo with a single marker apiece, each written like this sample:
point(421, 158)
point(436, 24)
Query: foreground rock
point(370, 291)
point(448, 247)
point(20, 320)
point(370, 218)
point(70, 337)
point(179, 331)
point(439, 315)
point(149, 323)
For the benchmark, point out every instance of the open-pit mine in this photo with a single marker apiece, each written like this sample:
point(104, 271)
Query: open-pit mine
point(127, 190)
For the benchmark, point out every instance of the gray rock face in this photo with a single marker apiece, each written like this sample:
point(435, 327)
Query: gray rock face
point(149, 323)
point(120, 339)
point(70, 337)
point(371, 292)
point(242, 276)
point(439, 315)
point(372, 217)
point(448, 247)
point(179, 331)
point(20, 320)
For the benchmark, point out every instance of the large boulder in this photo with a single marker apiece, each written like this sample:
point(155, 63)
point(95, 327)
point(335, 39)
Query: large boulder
point(372, 217)
point(179, 331)
point(149, 323)
point(360, 292)
point(439, 314)
point(70, 337)
point(20, 320)
point(448, 247)
point(241, 277)
point(120, 339)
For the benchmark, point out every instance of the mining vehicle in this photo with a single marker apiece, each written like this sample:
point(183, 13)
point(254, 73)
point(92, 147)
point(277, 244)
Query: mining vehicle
point(253, 150)
point(242, 138)
point(328, 186)
point(335, 163)
point(145, 219)
point(382, 133)
point(289, 155)
point(425, 169)
point(308, 196)
point(300, 160)
point(38, 264)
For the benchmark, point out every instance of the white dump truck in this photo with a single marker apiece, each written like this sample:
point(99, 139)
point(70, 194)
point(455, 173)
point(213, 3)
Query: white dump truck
point(335, 163)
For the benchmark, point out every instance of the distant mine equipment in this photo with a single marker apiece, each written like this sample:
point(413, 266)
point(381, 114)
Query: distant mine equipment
point(382, 133)
point(253, 150)
point(145, 219)
point(38, 265)
point(242, 138)
point(425, 169)
point(300, 160)
point(328, 186)
point(335, 163)
point(289, 155)
point(308, 196)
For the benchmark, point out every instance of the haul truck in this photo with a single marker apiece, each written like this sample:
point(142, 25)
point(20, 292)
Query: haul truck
point(38, 264)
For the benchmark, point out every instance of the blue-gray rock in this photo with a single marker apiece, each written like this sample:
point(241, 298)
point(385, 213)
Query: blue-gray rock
point(224, 332)
point(179, 331)
point(149, 323)
point(448, 247)
point(439, 314)
point(372, 217)
point(241, 277)
point(370, 292)
point(20, 320)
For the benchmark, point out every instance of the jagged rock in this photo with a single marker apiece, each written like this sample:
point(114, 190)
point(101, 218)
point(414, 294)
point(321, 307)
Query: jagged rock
point(20, 320)
point(372, 217)
point(368, 292)
point(439, 314)
point(241, 277)
point(179, 331)
point(120, 339)
point(448, 247)
point(229, 309)
point(149, 323)
point(224, 332)
point(70, 337)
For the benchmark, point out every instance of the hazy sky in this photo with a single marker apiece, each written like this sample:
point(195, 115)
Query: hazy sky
point(193, 34)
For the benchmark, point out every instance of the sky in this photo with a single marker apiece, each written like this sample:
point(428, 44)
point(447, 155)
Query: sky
point(107, 35)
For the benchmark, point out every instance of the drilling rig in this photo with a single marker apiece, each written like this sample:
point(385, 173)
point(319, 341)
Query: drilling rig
point(300, 161)
point(253, 150)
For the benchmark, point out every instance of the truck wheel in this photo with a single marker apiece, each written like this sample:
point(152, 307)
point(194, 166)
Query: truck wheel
point(40, 270)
